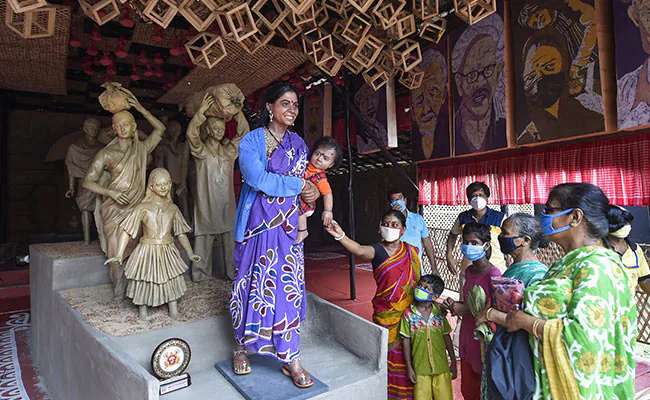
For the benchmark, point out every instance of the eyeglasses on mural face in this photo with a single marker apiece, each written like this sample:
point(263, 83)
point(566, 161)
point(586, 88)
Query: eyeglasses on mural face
point(472, 76)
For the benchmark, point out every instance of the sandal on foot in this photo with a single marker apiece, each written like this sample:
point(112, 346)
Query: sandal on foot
point(244, 366)
point(301, 379)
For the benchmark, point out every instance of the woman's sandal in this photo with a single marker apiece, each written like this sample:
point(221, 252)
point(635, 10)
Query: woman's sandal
point(300, 379)
point(244, 365)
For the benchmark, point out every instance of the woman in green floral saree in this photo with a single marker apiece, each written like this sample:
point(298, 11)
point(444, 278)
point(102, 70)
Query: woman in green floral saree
point(581, 316)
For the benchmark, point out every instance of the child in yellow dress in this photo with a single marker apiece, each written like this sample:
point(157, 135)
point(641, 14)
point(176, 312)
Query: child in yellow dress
point(155, 268)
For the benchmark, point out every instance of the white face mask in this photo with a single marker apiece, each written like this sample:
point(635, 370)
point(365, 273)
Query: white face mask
point(623, 232)
point(390, 234)
point(478, 203)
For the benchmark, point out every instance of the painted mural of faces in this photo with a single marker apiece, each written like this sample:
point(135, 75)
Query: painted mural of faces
point(639, 13)
point(545, 69)
point(367, 100)
point(429, 98)
point(479, 75)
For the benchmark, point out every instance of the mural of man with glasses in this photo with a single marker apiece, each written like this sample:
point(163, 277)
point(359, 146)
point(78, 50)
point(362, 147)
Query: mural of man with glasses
point(480, 101)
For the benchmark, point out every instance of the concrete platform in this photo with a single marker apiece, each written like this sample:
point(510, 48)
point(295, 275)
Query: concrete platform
point(344, 351)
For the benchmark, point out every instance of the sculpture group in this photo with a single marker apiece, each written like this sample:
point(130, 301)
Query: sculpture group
point(136, 216)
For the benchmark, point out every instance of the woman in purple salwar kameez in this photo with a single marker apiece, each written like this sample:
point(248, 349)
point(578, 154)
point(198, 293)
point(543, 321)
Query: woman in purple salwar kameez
point(268, 296)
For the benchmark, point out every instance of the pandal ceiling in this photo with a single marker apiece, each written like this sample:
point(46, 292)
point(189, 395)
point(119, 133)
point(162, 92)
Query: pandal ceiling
point(38, 64)
point(377, 38)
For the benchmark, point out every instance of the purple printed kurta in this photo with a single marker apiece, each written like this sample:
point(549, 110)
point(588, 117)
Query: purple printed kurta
point(268, 297)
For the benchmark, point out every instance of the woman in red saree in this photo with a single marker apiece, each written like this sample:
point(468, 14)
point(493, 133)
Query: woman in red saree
point(396, 267)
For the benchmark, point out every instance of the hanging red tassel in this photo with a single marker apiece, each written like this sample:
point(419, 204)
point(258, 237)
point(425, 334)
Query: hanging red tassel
point(106, 60)
point(158, 34)
point(157, 59)
point(95, 35)
point(143, 57)
point(134, 73)
point(92, 50)
point(158, 72)
point(111, 70)
point(74, 38)
point(120, 50)
point(149, 72)
point(125, 18)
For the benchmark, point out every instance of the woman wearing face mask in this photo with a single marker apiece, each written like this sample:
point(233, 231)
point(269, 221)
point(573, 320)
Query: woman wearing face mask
point(476, 247)
point(636, 265)
point(581, 317)
point(509, 373)
point(396, 267)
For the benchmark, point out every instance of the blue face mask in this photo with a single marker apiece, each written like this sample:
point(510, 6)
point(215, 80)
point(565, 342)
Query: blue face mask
point(508, 245)
point(422, 295)
point(547, 222)
point(400, 202)
point(472, 252)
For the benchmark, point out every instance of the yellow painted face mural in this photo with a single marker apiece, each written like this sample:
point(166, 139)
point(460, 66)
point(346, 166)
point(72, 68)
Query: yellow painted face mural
point(558, 85)
point(543, 79)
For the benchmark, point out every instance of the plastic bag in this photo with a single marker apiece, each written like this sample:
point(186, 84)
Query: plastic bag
point(113, 99)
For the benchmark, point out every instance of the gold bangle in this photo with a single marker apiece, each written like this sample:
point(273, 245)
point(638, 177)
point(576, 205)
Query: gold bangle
point(535, 326)
point(487, 314)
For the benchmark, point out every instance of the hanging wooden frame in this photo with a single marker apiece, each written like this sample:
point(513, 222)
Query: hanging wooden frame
point(368, 50)
point(332, 66)
point(323, 50)
point(206, 49)
point(199, 13)
point(299, 7)
point(161, 12)
point(412, 79)
point(386, 12)
point(288, 30)
point(376, 77)
point(433, 29)
point(356, 28)
point(306, 20)
point(271, 12)
point(309, 37)
point(260, 39)
point(321, 15)
point(387, 61)
point(354, 66)
point(426, 9)
point(473, 11)
point(236, 20)
point(361, 5)
point(404, 27)
point(408, 54)
point(33, 24)
point(20, 6)
point(100, 12)
point(336, 6)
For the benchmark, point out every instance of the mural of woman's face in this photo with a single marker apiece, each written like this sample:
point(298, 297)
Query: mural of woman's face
point(479, 76)
point(544, 79)
point(639, 13)
point(429, 98)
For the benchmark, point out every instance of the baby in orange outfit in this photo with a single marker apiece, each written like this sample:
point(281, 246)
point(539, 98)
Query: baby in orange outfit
point(325, 154)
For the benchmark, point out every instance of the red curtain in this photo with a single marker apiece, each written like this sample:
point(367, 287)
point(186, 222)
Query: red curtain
point(620, 166)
